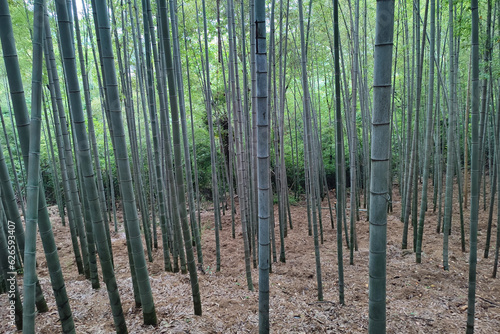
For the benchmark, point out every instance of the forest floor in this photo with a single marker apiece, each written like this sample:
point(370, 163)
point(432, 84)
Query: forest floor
point(421, 298)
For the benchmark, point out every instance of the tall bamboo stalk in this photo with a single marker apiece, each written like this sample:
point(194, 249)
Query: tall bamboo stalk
point(450, 167)
point(213, 150)
point(428, 131)
point(380, 165)
point(262, 162)
point(124, 173)
point(33, 174)
point(339, 148)
point(475, 177)
point(179, 180)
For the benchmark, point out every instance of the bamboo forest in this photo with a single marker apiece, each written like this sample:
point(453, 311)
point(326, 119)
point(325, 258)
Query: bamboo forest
point(249, 166)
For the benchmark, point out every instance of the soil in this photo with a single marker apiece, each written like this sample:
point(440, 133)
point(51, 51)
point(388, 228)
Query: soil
point(421, 298)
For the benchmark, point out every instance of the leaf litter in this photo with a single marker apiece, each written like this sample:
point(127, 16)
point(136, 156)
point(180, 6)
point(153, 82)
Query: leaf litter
point(421, 298)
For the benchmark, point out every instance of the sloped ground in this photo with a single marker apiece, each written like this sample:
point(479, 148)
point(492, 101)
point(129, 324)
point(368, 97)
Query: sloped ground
point(421, 298)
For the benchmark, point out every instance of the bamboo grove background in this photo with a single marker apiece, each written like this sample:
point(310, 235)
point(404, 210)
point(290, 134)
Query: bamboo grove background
point(165, 105)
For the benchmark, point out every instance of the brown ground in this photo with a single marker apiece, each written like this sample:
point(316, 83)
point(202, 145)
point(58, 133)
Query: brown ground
point(421, 298)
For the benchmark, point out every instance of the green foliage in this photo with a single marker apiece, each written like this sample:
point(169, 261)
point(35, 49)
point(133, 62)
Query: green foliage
point(320, 65)
point(204, 165)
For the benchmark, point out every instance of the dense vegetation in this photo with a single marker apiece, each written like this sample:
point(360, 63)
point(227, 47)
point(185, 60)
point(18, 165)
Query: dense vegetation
point(165, 104)
point(320, 65)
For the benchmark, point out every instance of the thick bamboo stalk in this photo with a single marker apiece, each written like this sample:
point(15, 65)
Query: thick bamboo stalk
point(380, 165)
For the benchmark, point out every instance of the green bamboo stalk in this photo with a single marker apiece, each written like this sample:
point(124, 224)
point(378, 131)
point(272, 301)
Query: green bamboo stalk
point(124, 173)
point(450, 167)
point(213, 150)
point(7, 247)
point(263, 179)
point(380, 170)
point(22, 119)
point(179, 181)
point(241, 165)
point(339, 148)
point(195, 162)
point(90, 118)
point(33, 175)
point(11, 208)
point(427, 144)
point(73, 198)
point(17, 181)
point(475, 177)
point(23, 124)
point(353, 137)
point(160, 185)
point(47, 134)
point(309, 147)
point(139, 56)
